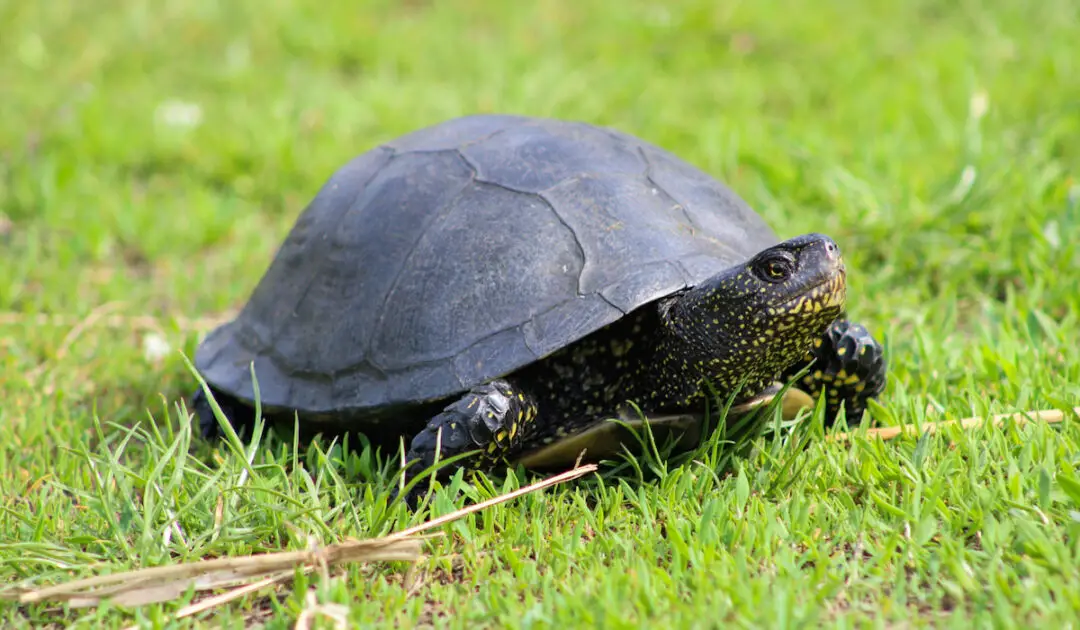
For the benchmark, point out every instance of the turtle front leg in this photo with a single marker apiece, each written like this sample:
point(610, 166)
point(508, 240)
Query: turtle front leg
point(492, 418)
point(848, 369)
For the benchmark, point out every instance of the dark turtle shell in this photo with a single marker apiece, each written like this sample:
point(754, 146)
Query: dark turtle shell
point(464, 251)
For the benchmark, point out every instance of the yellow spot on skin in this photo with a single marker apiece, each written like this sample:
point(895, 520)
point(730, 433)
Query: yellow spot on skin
point(513, 429)
point(860, 387)
point(842, 374)
point(500, 436)
point(817, 343)
point(851, 380)
point(841, 351)
point(521, 397)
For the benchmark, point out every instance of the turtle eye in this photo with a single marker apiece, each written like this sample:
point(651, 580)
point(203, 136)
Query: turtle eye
point(775, 268)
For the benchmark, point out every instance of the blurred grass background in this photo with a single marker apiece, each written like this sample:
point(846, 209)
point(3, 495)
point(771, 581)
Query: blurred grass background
point(154, 154)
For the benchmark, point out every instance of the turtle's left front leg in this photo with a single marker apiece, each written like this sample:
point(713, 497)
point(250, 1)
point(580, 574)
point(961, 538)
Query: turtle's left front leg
point(490, 422)
point(848, 369)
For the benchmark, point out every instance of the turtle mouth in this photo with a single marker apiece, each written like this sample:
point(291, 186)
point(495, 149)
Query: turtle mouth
point(820, 299)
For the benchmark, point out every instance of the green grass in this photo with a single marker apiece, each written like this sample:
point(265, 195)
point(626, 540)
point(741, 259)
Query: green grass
point(938, 142)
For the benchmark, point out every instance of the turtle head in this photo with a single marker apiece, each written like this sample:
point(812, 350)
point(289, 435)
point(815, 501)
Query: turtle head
point(753, 320)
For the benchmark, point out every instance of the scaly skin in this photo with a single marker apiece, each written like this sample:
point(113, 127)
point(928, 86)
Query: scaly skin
point(847, 366)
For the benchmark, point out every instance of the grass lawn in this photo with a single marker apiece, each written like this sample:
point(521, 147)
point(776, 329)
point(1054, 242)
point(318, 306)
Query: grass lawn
point(154, 154)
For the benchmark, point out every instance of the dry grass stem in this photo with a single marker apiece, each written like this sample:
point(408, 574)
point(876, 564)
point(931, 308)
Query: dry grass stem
point(165, 583)
point(1049, 416)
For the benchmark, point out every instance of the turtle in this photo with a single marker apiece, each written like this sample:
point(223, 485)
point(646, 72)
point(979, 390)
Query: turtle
point(494, 286)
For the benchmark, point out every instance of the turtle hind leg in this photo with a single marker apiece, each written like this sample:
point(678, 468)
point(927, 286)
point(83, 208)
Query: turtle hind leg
point(492, 418)
point(848, 369)
point(239, 415)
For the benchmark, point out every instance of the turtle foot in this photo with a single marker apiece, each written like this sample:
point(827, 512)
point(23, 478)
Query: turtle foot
point(491, 419)
point(848, 369)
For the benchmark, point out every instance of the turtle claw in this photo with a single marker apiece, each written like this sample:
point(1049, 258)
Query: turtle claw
point(848, 369)
point(491, 418)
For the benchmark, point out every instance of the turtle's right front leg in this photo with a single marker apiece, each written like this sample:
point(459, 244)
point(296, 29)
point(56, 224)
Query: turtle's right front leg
point(849, 368)
point(492, 418)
